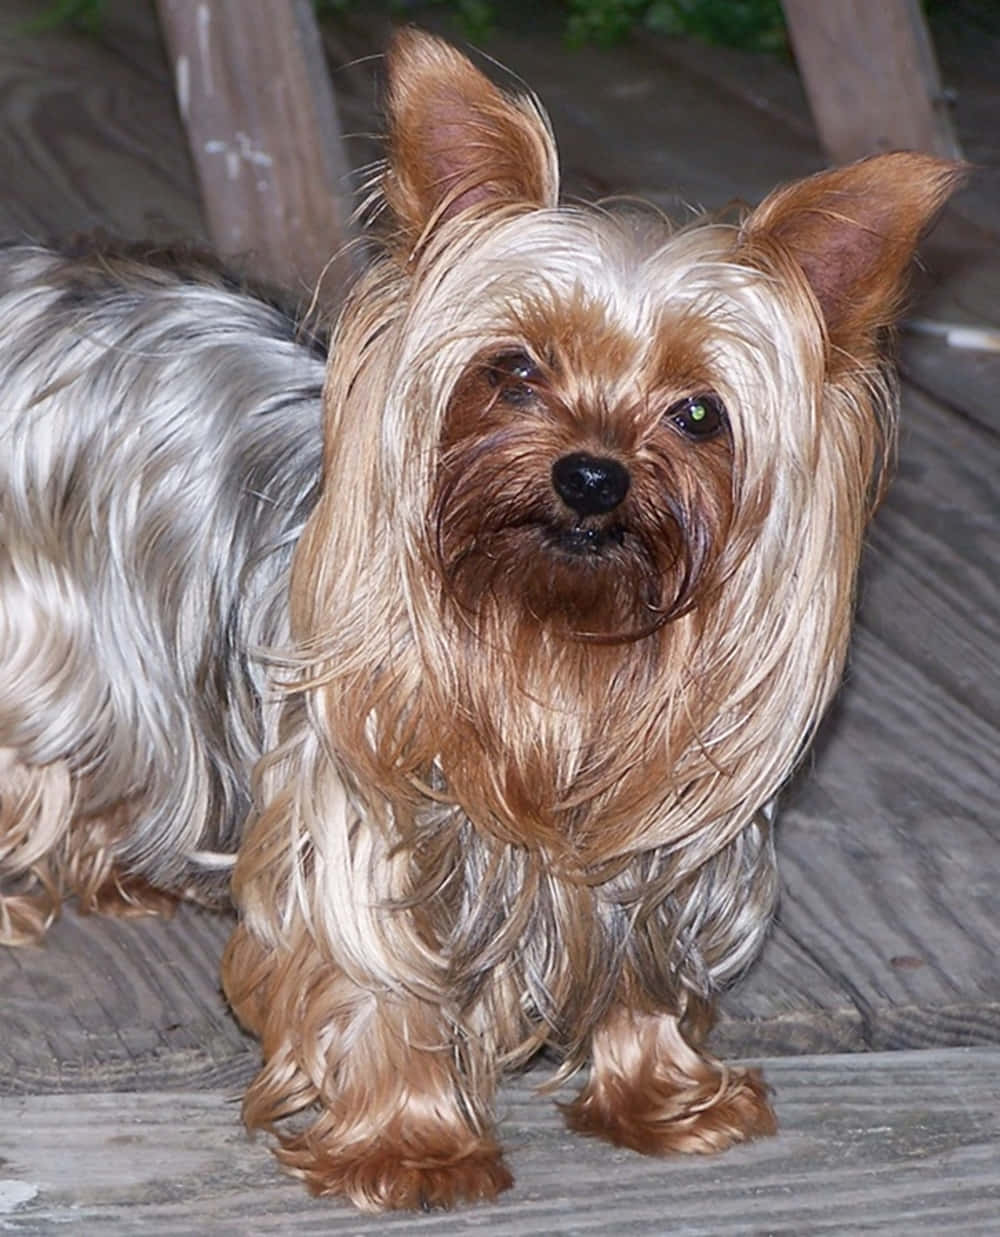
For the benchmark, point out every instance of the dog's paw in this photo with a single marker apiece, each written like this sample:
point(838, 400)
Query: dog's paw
point(123, 897)
point(386, 1176)
point(708, 1114)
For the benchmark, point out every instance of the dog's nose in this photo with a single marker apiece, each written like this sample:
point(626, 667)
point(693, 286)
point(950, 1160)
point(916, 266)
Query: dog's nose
point(589, 484)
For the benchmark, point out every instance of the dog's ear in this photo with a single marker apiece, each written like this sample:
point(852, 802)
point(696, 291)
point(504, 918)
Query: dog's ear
point(457, 141)
point(852, 232)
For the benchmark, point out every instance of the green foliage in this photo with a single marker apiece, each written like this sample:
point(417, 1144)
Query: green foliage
point(757, 25)
point(87, 14)
point(477, 17)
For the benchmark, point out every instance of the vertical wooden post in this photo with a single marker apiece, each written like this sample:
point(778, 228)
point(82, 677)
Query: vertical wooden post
point(255, 96)
point(870, 73)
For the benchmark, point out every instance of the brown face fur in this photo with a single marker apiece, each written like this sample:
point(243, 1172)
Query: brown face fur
point(578, 390)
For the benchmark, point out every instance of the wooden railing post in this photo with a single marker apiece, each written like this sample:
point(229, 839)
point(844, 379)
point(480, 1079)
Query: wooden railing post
point(255, 97)
point(869, 71)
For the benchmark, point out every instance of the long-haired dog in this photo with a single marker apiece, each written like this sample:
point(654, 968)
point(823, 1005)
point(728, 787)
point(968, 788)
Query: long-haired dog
point(481, 646)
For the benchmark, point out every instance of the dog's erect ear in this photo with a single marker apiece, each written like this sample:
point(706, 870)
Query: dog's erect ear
point(457, 141)
point(852, 232)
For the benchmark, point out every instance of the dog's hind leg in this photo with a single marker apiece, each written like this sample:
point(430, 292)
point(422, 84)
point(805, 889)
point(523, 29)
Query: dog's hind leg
point(92, 876)
point(36, 810)
point(44, 655)
point(58, 834)
point(49, 852)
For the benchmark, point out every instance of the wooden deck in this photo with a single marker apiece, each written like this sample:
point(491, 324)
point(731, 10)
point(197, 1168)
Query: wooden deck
point(895, 1142)
point(118, 1059)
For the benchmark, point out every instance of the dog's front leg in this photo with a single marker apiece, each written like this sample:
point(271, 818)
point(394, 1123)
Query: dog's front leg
point(651, 1091)
point(397, 1115)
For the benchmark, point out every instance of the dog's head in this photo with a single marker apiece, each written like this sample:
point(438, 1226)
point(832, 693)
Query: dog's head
point(597, 417)
point(595, 485)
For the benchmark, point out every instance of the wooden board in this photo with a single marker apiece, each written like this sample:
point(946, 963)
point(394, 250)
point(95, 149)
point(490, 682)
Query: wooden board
point(890, 844)
point(254, 94)
point(89, 137)
point(120, 1006)
point(964, 380)
point(656, 120)
point(871, 76)
point(900, 1143)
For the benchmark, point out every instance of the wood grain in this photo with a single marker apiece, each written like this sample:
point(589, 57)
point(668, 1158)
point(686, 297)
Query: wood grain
point(889, 846)
point(871, 76)
point(964, 381)
point(90, 138)
point(660, 120)
point(105, 1004)
point(900, 1143)
point(255, 97)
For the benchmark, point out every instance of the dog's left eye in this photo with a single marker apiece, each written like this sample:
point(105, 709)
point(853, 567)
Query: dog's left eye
point(517, 373)
point(699, 416)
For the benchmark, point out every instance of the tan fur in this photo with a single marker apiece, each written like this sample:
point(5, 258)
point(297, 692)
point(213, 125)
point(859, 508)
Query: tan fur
point(78, 861)
point(649, 1090)
point(571, 600)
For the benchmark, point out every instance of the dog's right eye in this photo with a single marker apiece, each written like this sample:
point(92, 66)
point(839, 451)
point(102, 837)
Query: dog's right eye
point(699, 417)
point(517, 365)
point(517, 374)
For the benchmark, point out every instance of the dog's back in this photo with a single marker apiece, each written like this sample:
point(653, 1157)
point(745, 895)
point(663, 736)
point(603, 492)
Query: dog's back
point(161, 434)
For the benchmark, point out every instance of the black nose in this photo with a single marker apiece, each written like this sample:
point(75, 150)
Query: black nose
point(590, 485)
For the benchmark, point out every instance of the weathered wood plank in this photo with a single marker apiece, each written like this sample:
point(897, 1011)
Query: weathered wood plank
point(657, 121)
point(871, 76)
point(900, 1143)
point(963, 380)
point(88, 138)
point(255, 97)
point(105, 1004)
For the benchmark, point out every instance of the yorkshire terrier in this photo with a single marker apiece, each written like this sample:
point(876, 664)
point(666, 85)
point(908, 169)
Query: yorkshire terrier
point(467, 654)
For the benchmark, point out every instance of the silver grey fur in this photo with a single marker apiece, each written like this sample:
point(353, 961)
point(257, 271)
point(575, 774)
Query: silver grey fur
point(161, 447)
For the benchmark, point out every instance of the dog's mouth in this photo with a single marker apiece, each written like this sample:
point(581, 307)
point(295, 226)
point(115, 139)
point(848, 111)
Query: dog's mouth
point(592, 579)
point(583, 541)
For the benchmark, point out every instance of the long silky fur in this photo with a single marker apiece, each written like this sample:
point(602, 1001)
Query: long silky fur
point(161, 451)
point(527, 828)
